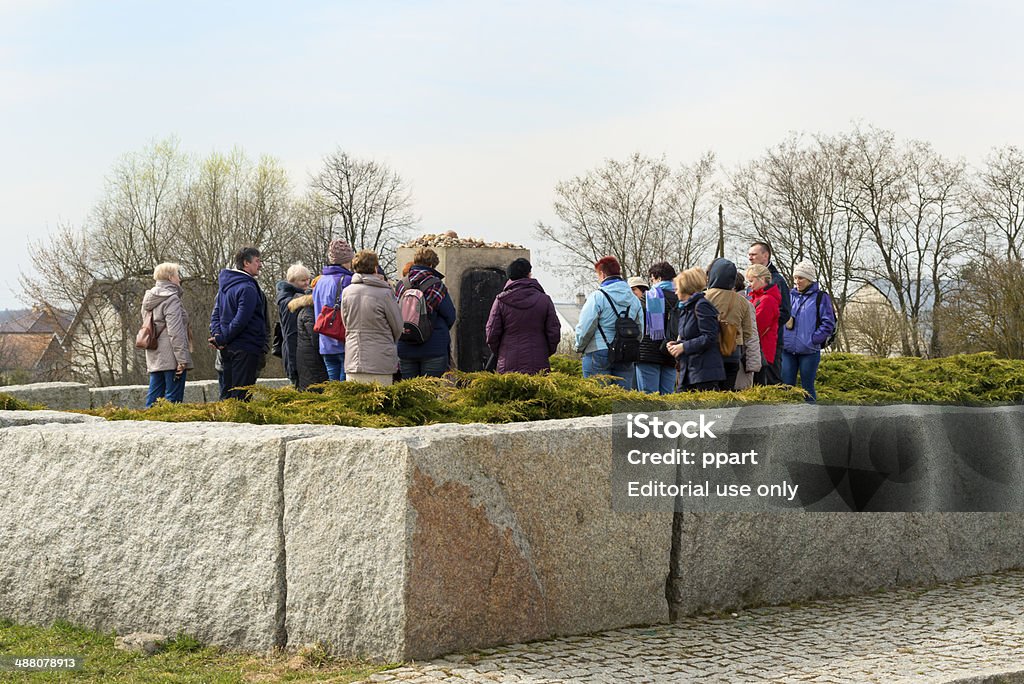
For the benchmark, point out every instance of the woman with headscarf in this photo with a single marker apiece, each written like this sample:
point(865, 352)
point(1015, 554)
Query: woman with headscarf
point(812, 322)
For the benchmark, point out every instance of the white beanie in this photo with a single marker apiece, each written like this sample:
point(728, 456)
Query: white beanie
point(805, 269)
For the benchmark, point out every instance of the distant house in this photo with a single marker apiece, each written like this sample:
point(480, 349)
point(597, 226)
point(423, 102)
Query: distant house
point(873, 322)
point(31, 348)
point(568, 317)
point(101, 338)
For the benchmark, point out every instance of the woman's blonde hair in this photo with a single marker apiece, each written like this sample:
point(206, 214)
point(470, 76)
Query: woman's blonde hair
point(759, 271)
point(691, 280)
point(296, 272)
point(166, 270)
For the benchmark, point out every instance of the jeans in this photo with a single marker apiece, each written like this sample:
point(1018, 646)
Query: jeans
point(167, 385)
point(240, 370)
point(434, 367)
point(655, 378)
point(596, 363)
point(335, 364)
point(807, 365)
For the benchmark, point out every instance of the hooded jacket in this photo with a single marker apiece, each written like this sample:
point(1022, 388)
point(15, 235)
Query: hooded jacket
point(309, 365)
point(767, 303)
point(523, 328)
point(698, 331)
point(373, 324)
point(325, 293)
point(731, 305)
point(596, 327)
point(289, 327)
point(807, 336)
point(239, 318)
point(170, 321)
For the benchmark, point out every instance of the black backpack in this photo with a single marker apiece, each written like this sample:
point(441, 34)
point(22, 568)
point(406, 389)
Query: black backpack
point(625, 345)
point(817, 308)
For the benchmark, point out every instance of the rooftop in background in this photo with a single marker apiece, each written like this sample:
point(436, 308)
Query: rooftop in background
point(35, 320)
point(570, 312)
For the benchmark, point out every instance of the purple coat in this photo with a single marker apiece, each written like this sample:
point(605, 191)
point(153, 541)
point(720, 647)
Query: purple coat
point(523, 328)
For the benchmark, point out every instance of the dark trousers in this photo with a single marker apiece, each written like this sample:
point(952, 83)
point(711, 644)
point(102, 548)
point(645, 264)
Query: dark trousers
point(732, 369)
point(240, 370)
point(770, 373)
point(435, 366)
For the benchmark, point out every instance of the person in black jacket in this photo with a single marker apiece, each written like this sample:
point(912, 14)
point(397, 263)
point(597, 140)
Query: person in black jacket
point(309, 364)
point(294, 285)
point(656, 369)
point(696, 342)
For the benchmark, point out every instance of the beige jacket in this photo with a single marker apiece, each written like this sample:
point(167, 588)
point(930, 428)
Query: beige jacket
point(732, 308)
point(373, 323)
point(171, 323)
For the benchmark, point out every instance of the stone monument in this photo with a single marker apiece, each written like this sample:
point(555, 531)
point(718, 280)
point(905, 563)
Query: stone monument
point(475, 272)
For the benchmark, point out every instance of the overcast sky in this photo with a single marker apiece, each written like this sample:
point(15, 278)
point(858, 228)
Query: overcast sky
point(481, 106)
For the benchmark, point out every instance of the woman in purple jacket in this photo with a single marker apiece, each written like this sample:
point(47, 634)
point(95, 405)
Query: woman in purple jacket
point(523, 328)
point(812, 322)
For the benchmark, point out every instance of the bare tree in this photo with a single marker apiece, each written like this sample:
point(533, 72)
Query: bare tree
point(158, 206)
point(986, 313)
point(872, 327)
point(907, 200)
point(998, 200)
point(368, 204)
point(638, 210)
point(790, 197)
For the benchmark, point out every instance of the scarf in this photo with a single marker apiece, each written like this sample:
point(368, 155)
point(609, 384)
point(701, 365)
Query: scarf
point(655, 314)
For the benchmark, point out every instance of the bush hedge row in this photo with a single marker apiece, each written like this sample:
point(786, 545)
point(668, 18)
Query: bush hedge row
point(977, 379)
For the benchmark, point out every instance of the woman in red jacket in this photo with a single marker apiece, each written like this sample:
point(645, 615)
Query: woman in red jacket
point(767, 299)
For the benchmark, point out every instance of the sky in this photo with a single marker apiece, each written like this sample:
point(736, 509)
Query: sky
point(483, 107)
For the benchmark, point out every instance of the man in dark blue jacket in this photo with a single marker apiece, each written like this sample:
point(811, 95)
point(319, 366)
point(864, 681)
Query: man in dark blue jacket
point(761, 253)
point(238, 324)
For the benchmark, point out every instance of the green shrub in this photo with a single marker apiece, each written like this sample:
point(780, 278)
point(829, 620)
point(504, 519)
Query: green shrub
point(9, 403)
point(491, 398)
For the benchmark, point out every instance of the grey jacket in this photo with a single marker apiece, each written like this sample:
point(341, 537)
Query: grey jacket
point(373, 323)
point(171, 323)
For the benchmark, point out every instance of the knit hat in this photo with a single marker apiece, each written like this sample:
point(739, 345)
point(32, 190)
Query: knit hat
point(805, 269)
point(339, 252)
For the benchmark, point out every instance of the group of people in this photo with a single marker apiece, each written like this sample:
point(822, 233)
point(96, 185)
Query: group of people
point(701, 329)
point(708, 328)
point(344, 324)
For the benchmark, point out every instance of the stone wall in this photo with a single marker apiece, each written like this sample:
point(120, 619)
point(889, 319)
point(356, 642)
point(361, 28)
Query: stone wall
point(75, 396)
point(408, 543)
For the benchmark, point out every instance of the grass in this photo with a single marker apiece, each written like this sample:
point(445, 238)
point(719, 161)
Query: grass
point(183, 660)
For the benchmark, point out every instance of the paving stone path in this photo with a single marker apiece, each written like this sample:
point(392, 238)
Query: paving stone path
point(967, 631)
